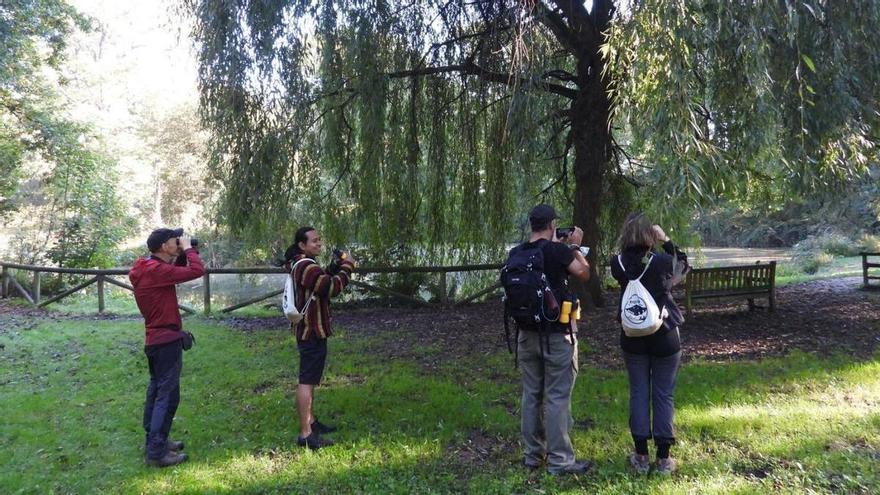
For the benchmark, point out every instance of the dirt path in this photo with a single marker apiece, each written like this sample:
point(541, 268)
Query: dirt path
point(823, 316)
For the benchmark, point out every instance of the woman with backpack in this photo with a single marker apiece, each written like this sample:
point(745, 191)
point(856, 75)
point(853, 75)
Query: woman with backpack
point(649, 337)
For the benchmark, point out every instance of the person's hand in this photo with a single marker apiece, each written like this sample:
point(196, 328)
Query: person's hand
point(185, 242)
point(576, 237)
point(350, 258)
point(661, 236)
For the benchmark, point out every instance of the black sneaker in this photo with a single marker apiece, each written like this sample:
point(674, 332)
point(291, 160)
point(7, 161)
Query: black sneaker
point(174, 445)
point(314, 441)
point(169, 459)
point(579, 466)
point(321, 428)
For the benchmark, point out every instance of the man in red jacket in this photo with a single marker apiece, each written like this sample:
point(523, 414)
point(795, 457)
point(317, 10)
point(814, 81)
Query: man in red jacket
point(154, 279)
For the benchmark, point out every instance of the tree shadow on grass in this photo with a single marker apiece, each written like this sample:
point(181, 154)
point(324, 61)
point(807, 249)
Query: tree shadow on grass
point(402, 431)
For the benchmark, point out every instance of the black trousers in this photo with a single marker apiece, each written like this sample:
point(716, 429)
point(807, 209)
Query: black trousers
point(163, 395)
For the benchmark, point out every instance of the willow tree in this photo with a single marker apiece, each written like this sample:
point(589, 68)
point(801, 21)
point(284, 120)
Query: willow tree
point(428, 128)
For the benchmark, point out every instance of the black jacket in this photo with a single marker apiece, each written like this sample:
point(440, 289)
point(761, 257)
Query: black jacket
point(666, 270)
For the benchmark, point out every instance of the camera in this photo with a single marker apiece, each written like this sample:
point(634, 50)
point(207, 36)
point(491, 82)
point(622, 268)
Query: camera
point(336, 263)
point(564, 232)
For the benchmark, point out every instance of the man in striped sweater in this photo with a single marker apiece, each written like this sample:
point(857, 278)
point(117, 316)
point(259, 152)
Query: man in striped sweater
point(314, 288)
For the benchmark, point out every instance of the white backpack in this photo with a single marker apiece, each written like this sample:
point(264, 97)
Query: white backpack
point(639, 313)
point(288, 300)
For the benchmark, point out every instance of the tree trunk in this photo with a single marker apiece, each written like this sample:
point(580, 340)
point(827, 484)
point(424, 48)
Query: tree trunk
point(591, 140)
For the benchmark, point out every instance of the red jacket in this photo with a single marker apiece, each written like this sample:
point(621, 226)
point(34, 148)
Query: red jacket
point(155, 291)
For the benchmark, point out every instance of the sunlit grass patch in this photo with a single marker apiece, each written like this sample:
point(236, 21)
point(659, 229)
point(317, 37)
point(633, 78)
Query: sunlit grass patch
point(802, 423)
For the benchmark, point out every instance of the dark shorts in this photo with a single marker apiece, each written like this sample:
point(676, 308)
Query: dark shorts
point(312, 356)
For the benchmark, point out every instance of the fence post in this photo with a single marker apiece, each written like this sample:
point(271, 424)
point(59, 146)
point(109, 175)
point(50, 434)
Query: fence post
point(4, 284)
point(35, 290)
point(206, 289)
point(100, 293)
point(444, 295)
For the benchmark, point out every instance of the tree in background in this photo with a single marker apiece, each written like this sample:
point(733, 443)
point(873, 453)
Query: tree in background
point(56, 178)
point(32, 37)
point(175, 146)
point(423, 128)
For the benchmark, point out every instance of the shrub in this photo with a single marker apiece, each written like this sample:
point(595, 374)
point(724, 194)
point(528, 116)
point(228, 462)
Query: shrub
point(811, 264)
point(869, 243)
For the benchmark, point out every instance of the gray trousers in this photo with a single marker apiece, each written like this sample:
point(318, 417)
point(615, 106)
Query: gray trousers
point(652, 386)
point(549, 369)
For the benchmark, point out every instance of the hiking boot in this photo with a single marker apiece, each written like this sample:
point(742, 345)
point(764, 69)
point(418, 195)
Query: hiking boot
point(665, 467)
point(639, 463)
point(174, 445)
point(314, 441)
point(320, 428)
point(169, 459)
point(579, 466)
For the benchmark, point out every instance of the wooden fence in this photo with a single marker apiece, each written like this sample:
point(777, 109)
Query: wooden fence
point(867, 265)
point(9, 284)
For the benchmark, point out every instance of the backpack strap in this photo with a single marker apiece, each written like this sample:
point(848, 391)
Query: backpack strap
point(620, 261)
point(648, 264)
point(311, 296)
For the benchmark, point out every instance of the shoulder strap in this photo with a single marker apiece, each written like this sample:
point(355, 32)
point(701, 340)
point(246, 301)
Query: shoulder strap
point(293, 267)
point(311, 296)
point(620, 261)
point(648, 264)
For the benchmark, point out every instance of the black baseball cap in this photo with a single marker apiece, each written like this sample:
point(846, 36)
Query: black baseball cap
point(542, 214)
point(161, 236)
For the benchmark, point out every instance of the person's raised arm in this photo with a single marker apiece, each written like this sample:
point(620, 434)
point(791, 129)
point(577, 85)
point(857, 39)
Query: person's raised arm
point(324, 284)
point(680, 266)
point(579, 267)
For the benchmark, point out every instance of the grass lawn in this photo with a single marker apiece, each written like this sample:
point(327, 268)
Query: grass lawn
point(840, 266)
point(72, 392)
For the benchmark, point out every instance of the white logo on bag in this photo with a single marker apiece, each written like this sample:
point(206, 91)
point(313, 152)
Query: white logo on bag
point(635, 309)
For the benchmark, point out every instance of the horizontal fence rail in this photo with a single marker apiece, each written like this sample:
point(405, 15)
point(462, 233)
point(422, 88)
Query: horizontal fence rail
point(101, 277)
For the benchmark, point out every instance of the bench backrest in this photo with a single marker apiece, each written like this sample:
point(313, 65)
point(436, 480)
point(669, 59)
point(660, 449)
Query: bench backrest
point(730, 279)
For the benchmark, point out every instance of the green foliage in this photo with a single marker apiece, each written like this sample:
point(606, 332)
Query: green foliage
point(33, 37)
point(755, 103)
point(329, 127)
point(68, 208)
point(852, 214)
point(425, 130)
point(175, 147)
point(90, 216)
point(821, 250)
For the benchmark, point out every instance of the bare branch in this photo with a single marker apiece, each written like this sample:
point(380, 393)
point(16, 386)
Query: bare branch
point(470, 68)
point(557, 26)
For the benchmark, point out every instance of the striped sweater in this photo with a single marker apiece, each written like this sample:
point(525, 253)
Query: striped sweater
point(312, 280)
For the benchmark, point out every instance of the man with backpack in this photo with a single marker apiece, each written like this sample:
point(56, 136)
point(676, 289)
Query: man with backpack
point(535, 280)
point(314, 287)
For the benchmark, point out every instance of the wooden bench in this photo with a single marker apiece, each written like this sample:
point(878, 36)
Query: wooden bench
point(732, 281)
point(865, 266)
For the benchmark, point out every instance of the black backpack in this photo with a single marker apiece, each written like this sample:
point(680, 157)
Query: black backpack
point(528, 299)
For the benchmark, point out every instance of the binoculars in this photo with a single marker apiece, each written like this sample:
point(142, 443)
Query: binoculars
point(192, 240)
point(570, 310)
